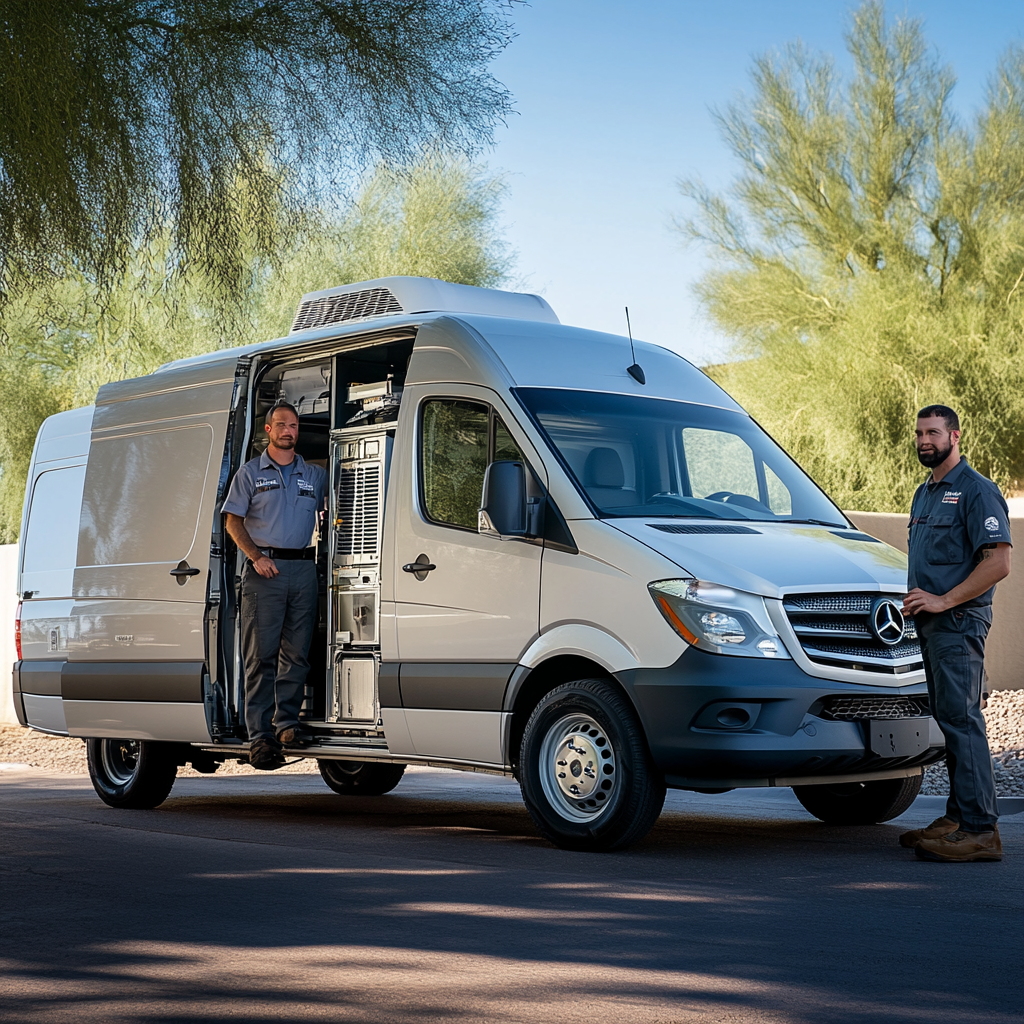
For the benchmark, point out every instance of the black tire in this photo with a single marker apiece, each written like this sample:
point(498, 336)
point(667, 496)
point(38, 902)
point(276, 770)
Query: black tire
point(860, 803)
point(361, 778)
point(590, 729)
point(137, 774)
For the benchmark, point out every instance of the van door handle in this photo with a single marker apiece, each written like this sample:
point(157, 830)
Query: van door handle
point(420, 567)
point(182, 571)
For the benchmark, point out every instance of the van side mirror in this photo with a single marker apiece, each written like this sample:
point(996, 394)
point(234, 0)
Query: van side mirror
point(504, 504)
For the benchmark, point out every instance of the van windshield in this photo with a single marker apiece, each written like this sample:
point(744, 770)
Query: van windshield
point(654, 457)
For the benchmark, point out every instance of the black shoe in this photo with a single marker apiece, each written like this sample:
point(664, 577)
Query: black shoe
point(294, 736)
point(265, 755)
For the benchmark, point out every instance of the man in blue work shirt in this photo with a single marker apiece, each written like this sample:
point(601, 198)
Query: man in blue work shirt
point(959, 551)
point(271, 511)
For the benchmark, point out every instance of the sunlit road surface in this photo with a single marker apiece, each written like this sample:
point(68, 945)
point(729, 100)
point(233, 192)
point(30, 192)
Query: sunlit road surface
point(270, 899)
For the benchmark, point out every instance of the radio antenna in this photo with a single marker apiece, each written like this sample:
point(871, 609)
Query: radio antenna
point(635, 371)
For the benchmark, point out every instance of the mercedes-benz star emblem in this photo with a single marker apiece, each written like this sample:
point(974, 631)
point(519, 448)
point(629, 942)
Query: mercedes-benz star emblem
point(887, 621)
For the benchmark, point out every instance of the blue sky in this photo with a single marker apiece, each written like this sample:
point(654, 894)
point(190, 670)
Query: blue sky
point(613, 103)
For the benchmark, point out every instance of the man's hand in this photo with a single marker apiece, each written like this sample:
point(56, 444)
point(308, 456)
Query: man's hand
point(265, 566)
point(919, 600)
point(240, 535)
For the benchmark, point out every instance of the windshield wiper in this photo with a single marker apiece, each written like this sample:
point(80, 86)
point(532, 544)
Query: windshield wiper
point(818, 522)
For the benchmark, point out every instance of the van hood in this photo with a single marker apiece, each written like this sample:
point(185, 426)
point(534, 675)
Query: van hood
point(777, 558)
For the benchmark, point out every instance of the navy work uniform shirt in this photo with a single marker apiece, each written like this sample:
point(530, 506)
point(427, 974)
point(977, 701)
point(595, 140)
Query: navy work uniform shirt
point(279, 503)
point(950, 523)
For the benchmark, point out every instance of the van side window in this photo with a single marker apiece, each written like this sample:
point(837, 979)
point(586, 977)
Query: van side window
point(505, 449)
point(453, 460)
point(459, 440)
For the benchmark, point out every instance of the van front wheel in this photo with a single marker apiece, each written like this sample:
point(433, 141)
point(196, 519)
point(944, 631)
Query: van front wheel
point(587, 777)
point(136, 774)
point(860, 803)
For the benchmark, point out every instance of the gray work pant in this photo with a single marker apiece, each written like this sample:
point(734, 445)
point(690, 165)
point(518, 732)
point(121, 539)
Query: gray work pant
point(278, 615)
point(953, 644)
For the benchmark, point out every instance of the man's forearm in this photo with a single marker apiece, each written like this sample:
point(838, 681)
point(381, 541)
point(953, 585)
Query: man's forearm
point(993, 567)
point(240, 535)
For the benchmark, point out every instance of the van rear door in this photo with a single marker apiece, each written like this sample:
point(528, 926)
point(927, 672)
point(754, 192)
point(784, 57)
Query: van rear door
point(144, 554)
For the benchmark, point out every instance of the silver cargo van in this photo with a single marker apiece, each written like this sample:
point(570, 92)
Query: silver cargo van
point(534, 563)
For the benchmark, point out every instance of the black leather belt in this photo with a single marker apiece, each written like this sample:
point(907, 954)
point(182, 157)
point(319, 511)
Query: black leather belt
point(290, 554)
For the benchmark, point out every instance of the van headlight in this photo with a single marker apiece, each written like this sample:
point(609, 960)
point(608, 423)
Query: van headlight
point(718, 619)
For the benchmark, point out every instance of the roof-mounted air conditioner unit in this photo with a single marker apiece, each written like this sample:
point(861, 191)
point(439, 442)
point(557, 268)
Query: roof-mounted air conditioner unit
point(394, 296)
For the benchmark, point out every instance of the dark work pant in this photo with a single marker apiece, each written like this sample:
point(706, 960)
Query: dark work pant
point(953, 644)
point(278, 615)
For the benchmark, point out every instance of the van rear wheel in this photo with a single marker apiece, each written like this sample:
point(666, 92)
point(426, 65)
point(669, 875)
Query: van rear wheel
point(136, 774)
point(361, 778)
point(586, 774)
point(860, 803)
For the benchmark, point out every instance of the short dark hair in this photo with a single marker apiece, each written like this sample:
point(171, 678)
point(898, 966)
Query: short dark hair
point(277, 406)
point(949, 415)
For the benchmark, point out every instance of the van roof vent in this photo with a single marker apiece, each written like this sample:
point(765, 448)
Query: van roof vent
point(390, 296)
point(339, 308)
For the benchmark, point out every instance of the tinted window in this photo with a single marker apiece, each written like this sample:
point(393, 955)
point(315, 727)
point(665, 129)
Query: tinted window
point(454, 458)
point(459, 440)
point(51, 541)
point(654, 457)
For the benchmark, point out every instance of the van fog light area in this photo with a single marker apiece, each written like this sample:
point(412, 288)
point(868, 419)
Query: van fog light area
point(718, 619)
point(734, 716)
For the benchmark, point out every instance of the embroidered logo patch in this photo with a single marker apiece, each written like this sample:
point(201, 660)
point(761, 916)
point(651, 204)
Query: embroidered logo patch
point(266, 483)
point(951, 497)
point(992, 524)
point(306, 490)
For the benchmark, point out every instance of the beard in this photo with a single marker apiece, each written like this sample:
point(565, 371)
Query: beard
point(936, 457)
point(283, 443)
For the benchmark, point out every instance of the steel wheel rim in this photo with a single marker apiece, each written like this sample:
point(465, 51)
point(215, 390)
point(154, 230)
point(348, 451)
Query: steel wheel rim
point(578, 769)
point(120, 760)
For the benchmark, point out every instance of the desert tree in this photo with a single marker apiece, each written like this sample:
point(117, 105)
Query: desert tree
point(121, 119)
point(869, 258)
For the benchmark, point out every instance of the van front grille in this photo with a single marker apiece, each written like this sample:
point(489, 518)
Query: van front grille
point(840, 630)
point(337, 309)
point(358, 509)
point(851, 709)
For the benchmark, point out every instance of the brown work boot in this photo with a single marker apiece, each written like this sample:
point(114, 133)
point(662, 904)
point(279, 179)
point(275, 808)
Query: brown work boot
point(265, 755)
point(962, 846)
point(936, 830)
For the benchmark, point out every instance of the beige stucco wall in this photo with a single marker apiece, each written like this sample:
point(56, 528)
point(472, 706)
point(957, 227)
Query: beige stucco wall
point(1004, 653)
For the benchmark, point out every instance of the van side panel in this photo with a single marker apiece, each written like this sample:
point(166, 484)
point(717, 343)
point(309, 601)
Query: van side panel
point(136, 643)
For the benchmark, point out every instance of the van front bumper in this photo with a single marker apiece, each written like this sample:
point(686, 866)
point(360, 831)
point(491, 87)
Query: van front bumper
point(714, 721)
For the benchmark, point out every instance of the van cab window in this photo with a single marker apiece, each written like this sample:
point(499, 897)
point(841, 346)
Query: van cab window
point(458, 441)
point(635, 456)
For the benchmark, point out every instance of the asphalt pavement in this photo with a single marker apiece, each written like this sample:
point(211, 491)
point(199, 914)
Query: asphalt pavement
point(271, 899)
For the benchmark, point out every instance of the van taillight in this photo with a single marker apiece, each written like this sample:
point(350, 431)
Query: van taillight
point(17, 631)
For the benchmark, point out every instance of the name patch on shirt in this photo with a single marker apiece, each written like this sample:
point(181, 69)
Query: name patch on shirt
point(266, 483)
point(951, 497)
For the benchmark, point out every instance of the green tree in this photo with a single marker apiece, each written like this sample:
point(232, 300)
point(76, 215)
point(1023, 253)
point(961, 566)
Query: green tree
point(120, 119)
point(870, 259)
point(435, 217)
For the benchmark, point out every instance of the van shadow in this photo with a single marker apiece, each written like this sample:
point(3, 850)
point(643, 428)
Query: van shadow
point(286, 904)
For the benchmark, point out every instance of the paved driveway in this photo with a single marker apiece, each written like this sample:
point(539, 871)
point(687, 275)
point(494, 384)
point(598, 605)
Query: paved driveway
point(271, 899)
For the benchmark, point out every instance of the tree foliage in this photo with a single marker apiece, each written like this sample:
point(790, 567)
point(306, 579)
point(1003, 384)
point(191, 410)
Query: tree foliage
point(436, 217)
point(124, 118)
point(870, 259)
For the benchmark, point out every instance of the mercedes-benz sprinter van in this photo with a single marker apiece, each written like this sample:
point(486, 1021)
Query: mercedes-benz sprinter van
point(542, 557)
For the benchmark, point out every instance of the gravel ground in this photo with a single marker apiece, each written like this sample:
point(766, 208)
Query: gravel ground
point(1004, 716)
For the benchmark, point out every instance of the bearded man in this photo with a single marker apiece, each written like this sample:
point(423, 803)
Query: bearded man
point(959, 551)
